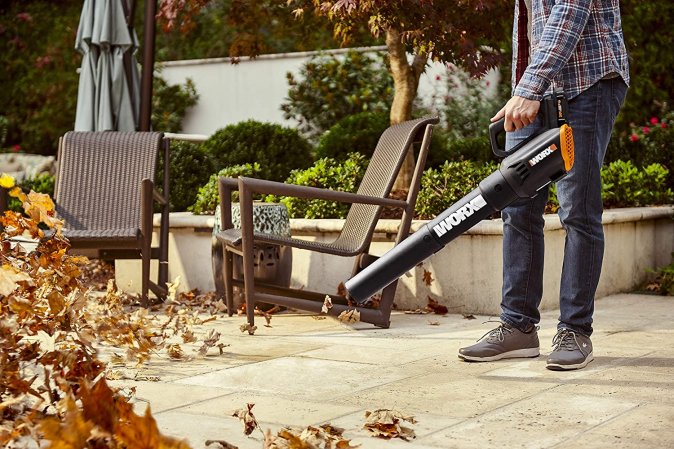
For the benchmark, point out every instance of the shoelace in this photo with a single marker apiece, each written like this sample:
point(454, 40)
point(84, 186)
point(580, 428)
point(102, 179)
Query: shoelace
point(565, 340)
point(497, 334)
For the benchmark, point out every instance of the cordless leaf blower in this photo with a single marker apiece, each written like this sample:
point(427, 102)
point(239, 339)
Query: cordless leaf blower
point(543, 158)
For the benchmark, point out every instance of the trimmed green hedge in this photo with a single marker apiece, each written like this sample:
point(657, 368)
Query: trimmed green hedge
point(277, 149)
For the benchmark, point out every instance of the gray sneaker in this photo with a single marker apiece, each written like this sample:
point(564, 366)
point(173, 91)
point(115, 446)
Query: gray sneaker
point(504, 342)
point(570, 350)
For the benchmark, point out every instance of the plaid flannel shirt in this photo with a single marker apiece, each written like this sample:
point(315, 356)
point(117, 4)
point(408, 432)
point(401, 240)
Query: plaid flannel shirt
point(574, 44)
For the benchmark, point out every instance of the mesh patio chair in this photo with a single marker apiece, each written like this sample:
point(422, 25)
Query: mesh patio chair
point(353, 240)
point(105, 194)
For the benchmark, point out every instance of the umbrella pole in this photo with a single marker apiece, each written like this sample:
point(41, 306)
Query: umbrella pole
point(148, 65)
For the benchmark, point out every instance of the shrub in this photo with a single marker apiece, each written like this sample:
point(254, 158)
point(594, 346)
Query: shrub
point(43, 183)
point(277, 149)
point(664, 282)
point(330, 88)
point(326, 173)
point(170, 103)
point(477, 149)
point(625, 185)
point(208, 197)
point(189, 169)
point(355, 133)
point(442, 187)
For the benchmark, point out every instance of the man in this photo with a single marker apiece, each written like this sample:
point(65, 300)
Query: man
point(576, 45)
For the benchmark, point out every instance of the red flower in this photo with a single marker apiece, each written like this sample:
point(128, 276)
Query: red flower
point(654, 120)
point(437, 77)
point(663, 125)
point(634, 137)
point(24, 17)
point(646, 129)
point(16, 148)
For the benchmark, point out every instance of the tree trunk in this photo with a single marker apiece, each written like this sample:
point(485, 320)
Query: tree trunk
point(405, 83)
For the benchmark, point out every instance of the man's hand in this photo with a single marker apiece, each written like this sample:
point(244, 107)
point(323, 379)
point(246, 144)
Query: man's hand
point(518, 112)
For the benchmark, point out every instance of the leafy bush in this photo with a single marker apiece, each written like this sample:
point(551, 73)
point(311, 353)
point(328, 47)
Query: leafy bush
point(330, 88)
point(39, 72)
point(647, 29)
point(208, 197)
point(467, 108)
point(277, 149)
point(43, 183)
point(477, 149)
point(326, 173)
point(625, 185)
point(4, 125)
point(442, 187)
point(170, 103)
point(355, 133)
point(189, 169)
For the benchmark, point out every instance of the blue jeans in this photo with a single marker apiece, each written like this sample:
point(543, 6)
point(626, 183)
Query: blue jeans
point(591, 116)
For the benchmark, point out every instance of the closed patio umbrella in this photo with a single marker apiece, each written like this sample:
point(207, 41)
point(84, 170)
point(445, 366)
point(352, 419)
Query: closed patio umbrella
point(108, 94)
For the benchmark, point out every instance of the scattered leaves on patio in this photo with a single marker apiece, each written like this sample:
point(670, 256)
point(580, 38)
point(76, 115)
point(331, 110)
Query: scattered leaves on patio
point(387, 424)
point(49, 326)
point(324, 436)
point(327, 304)
point(175, 351)
point(468, 316)
point(247, 327)
point(436, 307)
point(434, 323)
point(247, 418)
point(428, 277)
point(210, 340)
point(349, 316)
point(172, 289)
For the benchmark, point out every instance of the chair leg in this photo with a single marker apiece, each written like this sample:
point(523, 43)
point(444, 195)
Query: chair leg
point(145, 283)
point(228, 274)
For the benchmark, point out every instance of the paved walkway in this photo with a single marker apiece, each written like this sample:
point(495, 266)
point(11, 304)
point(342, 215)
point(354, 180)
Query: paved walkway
point(304, 371)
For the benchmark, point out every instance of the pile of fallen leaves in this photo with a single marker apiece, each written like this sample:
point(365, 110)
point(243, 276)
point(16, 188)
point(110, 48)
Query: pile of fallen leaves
point(52, 382)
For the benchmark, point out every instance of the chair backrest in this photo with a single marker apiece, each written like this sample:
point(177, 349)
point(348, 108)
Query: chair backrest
point(381, 173)
point(99, 177)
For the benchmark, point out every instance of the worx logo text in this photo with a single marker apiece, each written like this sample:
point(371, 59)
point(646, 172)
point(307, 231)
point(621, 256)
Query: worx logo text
point(459, 216)
point(542, 155)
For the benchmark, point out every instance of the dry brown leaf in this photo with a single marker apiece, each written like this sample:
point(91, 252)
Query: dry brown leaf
point(349, 316)
point(468, 316)
point(428, 277)
point(248, 328)
point(247, 418)
point(221, 443)
point(434, 323)
point(327, 304)
point(9, 278)
point(387, 424)
point(175, 351)
point(72, 433)
point(436, 307)
point(136, 432)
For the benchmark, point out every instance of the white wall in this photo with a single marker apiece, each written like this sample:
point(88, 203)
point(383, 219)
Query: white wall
point(256, 88)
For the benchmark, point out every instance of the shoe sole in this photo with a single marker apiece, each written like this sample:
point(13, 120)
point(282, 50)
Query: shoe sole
point(518, 353)
point(560, 367)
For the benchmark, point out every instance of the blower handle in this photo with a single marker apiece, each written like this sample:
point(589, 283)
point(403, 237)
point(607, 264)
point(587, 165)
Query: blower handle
point(554, 108)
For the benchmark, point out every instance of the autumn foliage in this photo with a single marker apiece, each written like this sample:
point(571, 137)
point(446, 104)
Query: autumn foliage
point(52, 383)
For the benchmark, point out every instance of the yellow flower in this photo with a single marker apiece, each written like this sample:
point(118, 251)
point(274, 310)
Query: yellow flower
point(6, 181)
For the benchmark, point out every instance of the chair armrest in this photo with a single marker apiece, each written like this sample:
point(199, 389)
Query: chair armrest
point(253, 185)
point(225, 188)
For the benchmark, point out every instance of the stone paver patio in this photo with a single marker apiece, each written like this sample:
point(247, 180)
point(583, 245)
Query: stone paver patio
point(306, 371)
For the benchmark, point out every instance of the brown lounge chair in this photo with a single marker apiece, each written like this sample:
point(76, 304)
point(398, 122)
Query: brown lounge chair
point(105, 194)
point(354, 239)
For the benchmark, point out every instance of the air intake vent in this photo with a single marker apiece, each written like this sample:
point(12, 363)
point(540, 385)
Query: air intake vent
point(566, 140)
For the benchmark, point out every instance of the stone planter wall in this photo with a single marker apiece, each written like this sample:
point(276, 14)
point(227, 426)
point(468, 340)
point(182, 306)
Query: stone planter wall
point(466, 273)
